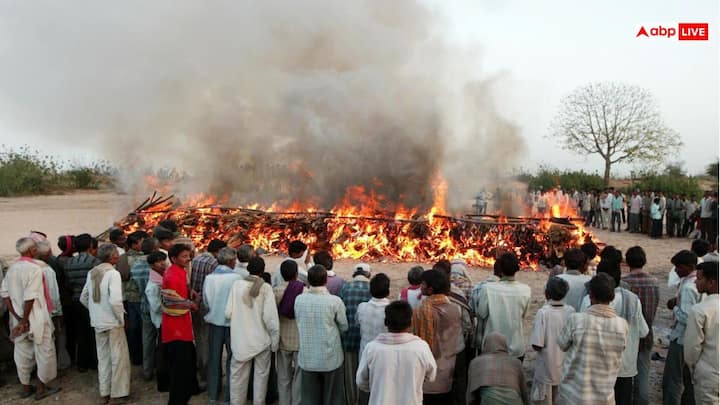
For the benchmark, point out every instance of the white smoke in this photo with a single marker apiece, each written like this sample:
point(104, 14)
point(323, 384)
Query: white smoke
point(271, 100)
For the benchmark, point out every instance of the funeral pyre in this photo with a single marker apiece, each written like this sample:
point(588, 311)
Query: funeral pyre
point(367, 232)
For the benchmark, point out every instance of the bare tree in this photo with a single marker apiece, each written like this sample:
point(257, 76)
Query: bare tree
point(619, 122)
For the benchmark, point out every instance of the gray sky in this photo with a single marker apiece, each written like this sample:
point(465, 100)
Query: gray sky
point(534, 52)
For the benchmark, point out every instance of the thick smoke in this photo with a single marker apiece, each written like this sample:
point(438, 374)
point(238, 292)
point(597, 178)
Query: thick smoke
point(263, 101)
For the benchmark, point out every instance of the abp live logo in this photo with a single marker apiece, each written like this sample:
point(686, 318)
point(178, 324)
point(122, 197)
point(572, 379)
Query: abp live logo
point(685, 31)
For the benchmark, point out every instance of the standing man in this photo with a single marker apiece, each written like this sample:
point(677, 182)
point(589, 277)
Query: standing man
point(646, 220)
point(76, 270)
point(576, 264)
point(647, 289)
point(320, 319)
point(216, 292)
point(701, 337)
point(437, 321)
point(102, 295)
point(502, 306)
point(335, 282)
point(352, 294)
point(254, 332)
point(474, 296)
point(30, 324)
point(617, 206)
point(396, 364)
point(705, 214)
point(634, 212)
point(691, 208)
point(139, 276)
point(594, 341)
point(287, 367)
point(675, 207)
point(298, 252)
point(677, 382)
point(176, 330)
point(627, 306)
point(132, 296)
point(202, 265)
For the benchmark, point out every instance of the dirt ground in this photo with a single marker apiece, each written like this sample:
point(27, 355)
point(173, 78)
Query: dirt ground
point(94, 212)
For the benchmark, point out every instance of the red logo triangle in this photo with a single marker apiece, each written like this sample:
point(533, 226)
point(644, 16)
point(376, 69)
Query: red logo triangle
point(642, 32)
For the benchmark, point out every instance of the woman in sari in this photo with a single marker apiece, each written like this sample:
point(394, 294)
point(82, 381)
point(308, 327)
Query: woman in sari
point(495, 377)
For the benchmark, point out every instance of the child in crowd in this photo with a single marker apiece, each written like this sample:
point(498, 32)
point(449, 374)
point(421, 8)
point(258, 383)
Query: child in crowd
point(549, 321)
point(412, 293)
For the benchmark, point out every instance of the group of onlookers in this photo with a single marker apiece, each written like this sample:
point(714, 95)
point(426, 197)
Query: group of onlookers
point(639, 212)
point(217, 321)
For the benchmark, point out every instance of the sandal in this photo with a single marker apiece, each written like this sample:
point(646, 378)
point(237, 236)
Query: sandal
point(25, 394)
point(48, 391)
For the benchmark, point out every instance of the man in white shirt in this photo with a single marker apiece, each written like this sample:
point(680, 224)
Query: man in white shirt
point(298, 252)
point(395, 365)
point(371, 318)
point(44, 252)
point(502, 305)
point(254, 333)
point(30, 324)
point(701, 337)
point(102, 295)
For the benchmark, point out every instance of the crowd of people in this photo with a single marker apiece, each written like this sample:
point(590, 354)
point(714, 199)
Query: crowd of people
point(648, 212)
point(218, 324)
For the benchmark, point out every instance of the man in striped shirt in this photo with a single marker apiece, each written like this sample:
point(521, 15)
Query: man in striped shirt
point(594, 341)
point(647, 289)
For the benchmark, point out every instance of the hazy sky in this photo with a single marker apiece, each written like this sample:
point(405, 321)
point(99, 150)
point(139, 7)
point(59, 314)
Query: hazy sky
point(535, 52)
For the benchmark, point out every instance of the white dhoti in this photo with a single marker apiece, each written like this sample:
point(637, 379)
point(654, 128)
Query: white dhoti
point(41, 352)
point(113, 363)
point(240, 376)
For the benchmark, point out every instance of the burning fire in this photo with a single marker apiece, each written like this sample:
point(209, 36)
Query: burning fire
point(361, 227)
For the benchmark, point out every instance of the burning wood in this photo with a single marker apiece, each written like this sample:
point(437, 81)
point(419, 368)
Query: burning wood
point(371, 235)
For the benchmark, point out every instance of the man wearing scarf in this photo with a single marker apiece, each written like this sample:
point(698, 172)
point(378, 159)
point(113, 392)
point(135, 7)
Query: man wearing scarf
point(26, 297)
point(254, 333)
point(102, 295)
point(287, 367)
point(44, 253)
point(438, 322)
point(177, 330)
point(395, 365)
point(216, 291)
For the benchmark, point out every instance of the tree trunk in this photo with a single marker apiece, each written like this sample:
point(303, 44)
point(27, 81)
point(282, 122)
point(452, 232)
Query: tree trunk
point(607, 172)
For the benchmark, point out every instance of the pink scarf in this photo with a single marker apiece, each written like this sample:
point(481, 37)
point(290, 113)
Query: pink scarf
point(48, 301)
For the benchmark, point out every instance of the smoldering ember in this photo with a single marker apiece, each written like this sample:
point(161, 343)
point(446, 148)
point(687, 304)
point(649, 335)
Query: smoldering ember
point(364, 230)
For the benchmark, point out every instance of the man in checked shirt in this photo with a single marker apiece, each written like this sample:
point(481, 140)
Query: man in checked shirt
point(647, 289)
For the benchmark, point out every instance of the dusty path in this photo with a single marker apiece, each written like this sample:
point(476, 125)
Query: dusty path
point(94, 212)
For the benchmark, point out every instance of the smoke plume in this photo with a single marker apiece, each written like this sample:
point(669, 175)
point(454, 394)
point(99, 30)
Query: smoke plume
point(261, 100)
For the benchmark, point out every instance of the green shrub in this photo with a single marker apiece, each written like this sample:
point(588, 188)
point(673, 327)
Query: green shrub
point(669, 184)
point(567, 179)
point(26, 172)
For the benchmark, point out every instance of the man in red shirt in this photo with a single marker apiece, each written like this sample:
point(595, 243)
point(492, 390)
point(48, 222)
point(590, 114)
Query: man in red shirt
point(177, 331)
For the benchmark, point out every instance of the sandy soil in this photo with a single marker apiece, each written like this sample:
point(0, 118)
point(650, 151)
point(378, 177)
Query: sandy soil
point(94, 212)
